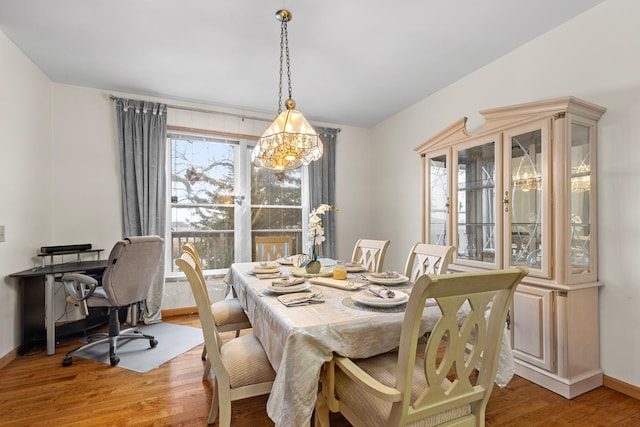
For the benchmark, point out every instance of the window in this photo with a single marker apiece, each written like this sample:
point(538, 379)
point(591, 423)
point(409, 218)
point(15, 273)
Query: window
point(220, 202)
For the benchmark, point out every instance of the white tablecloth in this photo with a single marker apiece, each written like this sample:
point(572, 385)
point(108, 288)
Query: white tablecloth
point(299, 340)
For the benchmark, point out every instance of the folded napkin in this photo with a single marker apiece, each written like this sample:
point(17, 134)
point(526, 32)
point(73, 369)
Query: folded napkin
point(267, 266)
point(299, 259)
point(386, 275)
point(350, 285)
point(288, 260)
point(301, 298)
point(382, 292)
point(288, 281)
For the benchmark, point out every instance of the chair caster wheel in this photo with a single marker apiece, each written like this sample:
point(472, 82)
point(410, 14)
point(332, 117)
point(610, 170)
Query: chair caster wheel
point(67, 361)
point(153, 343)
point(114, 360)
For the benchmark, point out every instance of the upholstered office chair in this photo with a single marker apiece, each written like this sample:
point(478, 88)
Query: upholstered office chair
point(428, 259)
point(370, 253)
point(442, 387)
point(133, 264)
point(228, 313)
point(240, 365)
point(270, 248)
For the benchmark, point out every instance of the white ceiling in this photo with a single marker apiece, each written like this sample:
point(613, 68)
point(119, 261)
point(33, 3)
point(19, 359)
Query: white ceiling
point(354, 62)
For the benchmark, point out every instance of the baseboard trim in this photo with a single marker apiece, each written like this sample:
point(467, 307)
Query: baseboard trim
point(9, 357)
point(566, 387)
point(181, 311)
point(622, 387)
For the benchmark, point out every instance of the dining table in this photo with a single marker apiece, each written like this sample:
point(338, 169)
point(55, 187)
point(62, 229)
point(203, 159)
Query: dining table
point(299, 339)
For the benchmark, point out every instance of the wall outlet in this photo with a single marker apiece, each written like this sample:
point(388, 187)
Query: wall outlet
point(1, 233)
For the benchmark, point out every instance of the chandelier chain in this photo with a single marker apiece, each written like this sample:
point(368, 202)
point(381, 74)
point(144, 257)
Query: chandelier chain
point(286, 47)
point(284, 54)
point(283, 29)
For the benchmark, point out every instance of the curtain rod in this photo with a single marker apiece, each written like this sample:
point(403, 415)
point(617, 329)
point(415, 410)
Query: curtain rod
point(202, 110)
point(223, 113)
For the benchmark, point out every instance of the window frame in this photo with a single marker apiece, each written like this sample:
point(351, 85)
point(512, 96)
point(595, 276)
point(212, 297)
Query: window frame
point(242, 225)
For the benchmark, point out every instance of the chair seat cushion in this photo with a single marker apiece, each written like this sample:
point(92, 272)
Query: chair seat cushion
point(228, 311)
point(246, 361)
point(374, 411)
point(99, 298)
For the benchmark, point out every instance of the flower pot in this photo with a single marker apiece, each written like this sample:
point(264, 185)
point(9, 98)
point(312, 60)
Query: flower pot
point(313, 267)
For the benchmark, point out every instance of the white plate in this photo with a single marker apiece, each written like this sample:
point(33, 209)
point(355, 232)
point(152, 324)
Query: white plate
point(375, 301)
point(382, 281)
point(356, 268)
point(301, 272)
point(285, 261)
point(288, 289)
point(276, 275)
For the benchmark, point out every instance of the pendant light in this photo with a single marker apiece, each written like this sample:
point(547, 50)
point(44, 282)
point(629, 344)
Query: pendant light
point(290, 142)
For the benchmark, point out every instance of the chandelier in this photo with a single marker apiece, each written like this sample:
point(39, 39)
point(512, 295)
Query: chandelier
point(290, 142)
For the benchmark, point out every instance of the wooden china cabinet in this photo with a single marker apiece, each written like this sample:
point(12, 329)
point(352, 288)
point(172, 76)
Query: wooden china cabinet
point(522, 192)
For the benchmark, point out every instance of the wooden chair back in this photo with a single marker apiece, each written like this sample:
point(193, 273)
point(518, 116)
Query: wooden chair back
point(270, 248)
point(236, 381)
point(371, 253)
point(425, 258)
point(449, 379)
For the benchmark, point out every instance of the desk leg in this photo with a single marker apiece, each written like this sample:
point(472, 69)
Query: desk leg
point(49, 321)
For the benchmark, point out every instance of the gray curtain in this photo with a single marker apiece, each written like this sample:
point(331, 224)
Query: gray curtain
point(142, 135)
point(322, 186)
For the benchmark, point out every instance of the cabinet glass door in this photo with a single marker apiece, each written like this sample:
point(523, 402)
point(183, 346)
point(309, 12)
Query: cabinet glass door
point(524, 203)
point(438, 199)
point(580, 199)
point(526, 199)
point(475, 204)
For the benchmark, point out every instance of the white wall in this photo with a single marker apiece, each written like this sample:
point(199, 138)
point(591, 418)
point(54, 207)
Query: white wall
point(87, 206)
point(593, 57)
point(25, 177)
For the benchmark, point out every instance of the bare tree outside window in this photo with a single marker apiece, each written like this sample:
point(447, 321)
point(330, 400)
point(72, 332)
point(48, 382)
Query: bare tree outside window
point(208, 200)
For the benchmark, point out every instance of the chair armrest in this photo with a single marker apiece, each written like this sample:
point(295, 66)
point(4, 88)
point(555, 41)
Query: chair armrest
point(374, 386)
point(80, 286)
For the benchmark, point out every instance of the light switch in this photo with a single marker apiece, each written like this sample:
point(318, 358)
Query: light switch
point(1, 233)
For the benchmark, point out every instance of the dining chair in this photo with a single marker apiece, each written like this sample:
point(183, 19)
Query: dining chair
point(447, 381)
point(240, 365)
point(425, 258)
point(370, 253)
point(270, 248)
point(228, 312)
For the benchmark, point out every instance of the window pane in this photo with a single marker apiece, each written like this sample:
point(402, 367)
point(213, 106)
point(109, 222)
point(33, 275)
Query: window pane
point(202, 198)
point(276, 205)
point(202, 171)
point(276, 188)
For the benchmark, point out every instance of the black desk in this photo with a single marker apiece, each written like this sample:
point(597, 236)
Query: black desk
point(37, 303)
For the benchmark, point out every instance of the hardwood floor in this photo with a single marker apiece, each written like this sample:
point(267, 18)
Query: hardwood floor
point(35, 390)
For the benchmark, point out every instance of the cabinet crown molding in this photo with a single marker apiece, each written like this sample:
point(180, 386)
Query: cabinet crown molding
point(514, 115)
